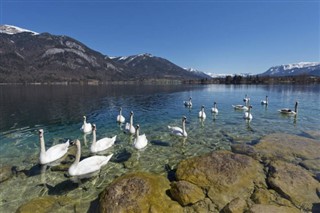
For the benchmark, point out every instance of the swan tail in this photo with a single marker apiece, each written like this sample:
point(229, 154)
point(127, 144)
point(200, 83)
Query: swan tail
point(106, 159)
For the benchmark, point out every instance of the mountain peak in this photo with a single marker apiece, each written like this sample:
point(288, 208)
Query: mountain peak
point(10, 29)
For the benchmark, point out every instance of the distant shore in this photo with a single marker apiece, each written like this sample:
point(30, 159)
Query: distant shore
point(237, 79)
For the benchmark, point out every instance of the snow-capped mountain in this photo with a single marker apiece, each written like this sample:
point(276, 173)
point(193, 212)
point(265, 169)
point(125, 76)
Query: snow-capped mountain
point(198, 72)
point(9, 29)
point(302, 68)
point(27, 56)
point(146, 65)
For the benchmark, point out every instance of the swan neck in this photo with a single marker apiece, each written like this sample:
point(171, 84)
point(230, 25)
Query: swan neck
point(183, 126)
point(296, 108)
point(94, 137)
point(78, 154)
point(43, 148)
point(131, 120)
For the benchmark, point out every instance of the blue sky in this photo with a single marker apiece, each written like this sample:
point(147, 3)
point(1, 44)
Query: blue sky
point(212, 36)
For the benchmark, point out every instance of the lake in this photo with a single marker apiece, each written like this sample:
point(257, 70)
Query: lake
point(59, 111)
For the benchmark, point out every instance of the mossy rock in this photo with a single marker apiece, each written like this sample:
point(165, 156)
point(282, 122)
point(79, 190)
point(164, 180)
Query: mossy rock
point(223, 174)
point(265, 208)
point(138, 192)
point(186, 193)
point(294, 183)
point(43, 204)
point(286, 147)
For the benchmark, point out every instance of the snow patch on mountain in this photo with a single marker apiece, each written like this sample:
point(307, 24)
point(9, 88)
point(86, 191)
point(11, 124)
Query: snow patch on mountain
point(11, 30)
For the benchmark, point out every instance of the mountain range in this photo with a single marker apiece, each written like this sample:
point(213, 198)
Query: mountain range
point(27, 56)
point(302, 68)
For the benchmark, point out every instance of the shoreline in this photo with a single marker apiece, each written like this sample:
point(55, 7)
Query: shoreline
point(236, 80)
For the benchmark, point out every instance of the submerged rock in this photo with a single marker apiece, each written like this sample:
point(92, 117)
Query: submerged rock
point(43, 204)
point(138, 192)
point(223, 174)
point(294, 183)
point(5, 173)
point(288, 147)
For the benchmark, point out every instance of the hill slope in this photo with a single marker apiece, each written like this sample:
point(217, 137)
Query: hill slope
point(27, 56)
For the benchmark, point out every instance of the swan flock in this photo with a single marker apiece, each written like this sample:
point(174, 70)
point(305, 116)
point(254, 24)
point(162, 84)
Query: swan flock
point(94, 163)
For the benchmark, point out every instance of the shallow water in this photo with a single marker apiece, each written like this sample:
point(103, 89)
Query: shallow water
point(59, 110)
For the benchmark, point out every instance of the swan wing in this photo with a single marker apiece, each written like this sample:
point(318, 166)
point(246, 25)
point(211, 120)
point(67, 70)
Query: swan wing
point(140, 142)
point(91, 164)
point(176, 130)
point(86, 128)
point(214, 110)
point(130, 129)
point(55, 152)
point(120, 119)
point(105, 143)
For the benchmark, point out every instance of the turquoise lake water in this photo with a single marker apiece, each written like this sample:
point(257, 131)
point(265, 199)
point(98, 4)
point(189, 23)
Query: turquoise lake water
point(59, 111)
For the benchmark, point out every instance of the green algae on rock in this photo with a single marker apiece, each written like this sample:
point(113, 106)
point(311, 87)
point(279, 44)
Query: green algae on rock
point(138, 192)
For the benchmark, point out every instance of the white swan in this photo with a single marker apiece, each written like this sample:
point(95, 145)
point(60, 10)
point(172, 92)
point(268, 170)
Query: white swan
point(129, 128)
point(242, 107)
point(188, 103)
point(177, 130)
point(202, 114)
point(289, 111)
point(86, 127)
point(102, 144)
point(120, 118)
point(246, 99)
point(265, 102)
point(53, 153)
point(247, 115)
point(214, 109)
point(88, 165)
point(141, 140)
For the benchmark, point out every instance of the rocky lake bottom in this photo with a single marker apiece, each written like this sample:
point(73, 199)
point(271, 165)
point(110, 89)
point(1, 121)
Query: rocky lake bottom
point(278, 173)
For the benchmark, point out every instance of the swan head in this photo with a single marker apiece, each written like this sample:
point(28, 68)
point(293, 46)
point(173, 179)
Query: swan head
point(84, 117)
point(94, 127)
point(138, 126)
point(40, 133)
point(131, 113)
point(184, 118)
point(214, 102)
point(202, 107)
